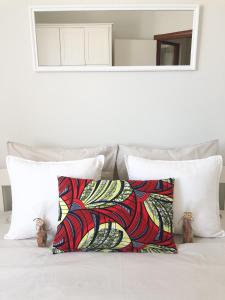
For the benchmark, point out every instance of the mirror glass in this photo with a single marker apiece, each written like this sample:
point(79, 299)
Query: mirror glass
point(113, 38)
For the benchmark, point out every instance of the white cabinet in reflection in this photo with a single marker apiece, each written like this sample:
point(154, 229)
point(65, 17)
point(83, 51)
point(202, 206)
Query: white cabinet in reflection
point(131, 52)
point(48, 46)
point(98, 43)
point(74, 44)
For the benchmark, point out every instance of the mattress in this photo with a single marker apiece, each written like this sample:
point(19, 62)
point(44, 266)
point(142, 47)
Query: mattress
point(27, 272)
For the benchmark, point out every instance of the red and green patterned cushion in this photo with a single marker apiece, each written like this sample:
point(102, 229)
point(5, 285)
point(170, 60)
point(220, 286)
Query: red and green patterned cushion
point(115, 216)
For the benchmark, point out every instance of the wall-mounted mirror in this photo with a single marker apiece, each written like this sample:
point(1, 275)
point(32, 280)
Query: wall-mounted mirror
point(114, 38)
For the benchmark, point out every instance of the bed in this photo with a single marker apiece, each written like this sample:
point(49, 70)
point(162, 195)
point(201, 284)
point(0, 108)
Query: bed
point(28, 272)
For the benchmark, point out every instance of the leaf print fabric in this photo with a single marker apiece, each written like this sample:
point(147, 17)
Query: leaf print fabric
point(115, 216)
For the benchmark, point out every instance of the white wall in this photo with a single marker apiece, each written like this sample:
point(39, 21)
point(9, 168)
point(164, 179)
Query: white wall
point(172, 21)
point(75, 109)
point(126, 24)
point(131, 24)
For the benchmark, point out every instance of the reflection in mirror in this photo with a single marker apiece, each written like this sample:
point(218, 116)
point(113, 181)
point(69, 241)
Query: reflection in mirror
point(114, 38)
point(174, 48)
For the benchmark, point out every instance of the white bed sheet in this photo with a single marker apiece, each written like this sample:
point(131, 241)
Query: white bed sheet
point(30, 273)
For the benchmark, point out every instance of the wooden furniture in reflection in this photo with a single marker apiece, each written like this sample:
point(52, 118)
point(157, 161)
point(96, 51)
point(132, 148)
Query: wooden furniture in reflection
point(168, 39)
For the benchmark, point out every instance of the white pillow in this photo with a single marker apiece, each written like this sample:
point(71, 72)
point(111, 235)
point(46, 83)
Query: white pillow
point(202, 150)
point(35, 190)
point(196, 189)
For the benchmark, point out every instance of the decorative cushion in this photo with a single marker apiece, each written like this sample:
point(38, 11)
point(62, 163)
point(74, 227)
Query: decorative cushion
point(66, 154)
point(196, 189)
point(35, 191)
point(115, 216)
point(202, 150)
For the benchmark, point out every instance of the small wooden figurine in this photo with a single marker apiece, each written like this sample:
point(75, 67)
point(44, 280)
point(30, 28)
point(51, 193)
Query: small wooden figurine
point(187, 228)
point(41, 232)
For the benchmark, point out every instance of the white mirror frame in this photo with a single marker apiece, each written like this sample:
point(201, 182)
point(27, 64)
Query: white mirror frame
point(42, 8)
